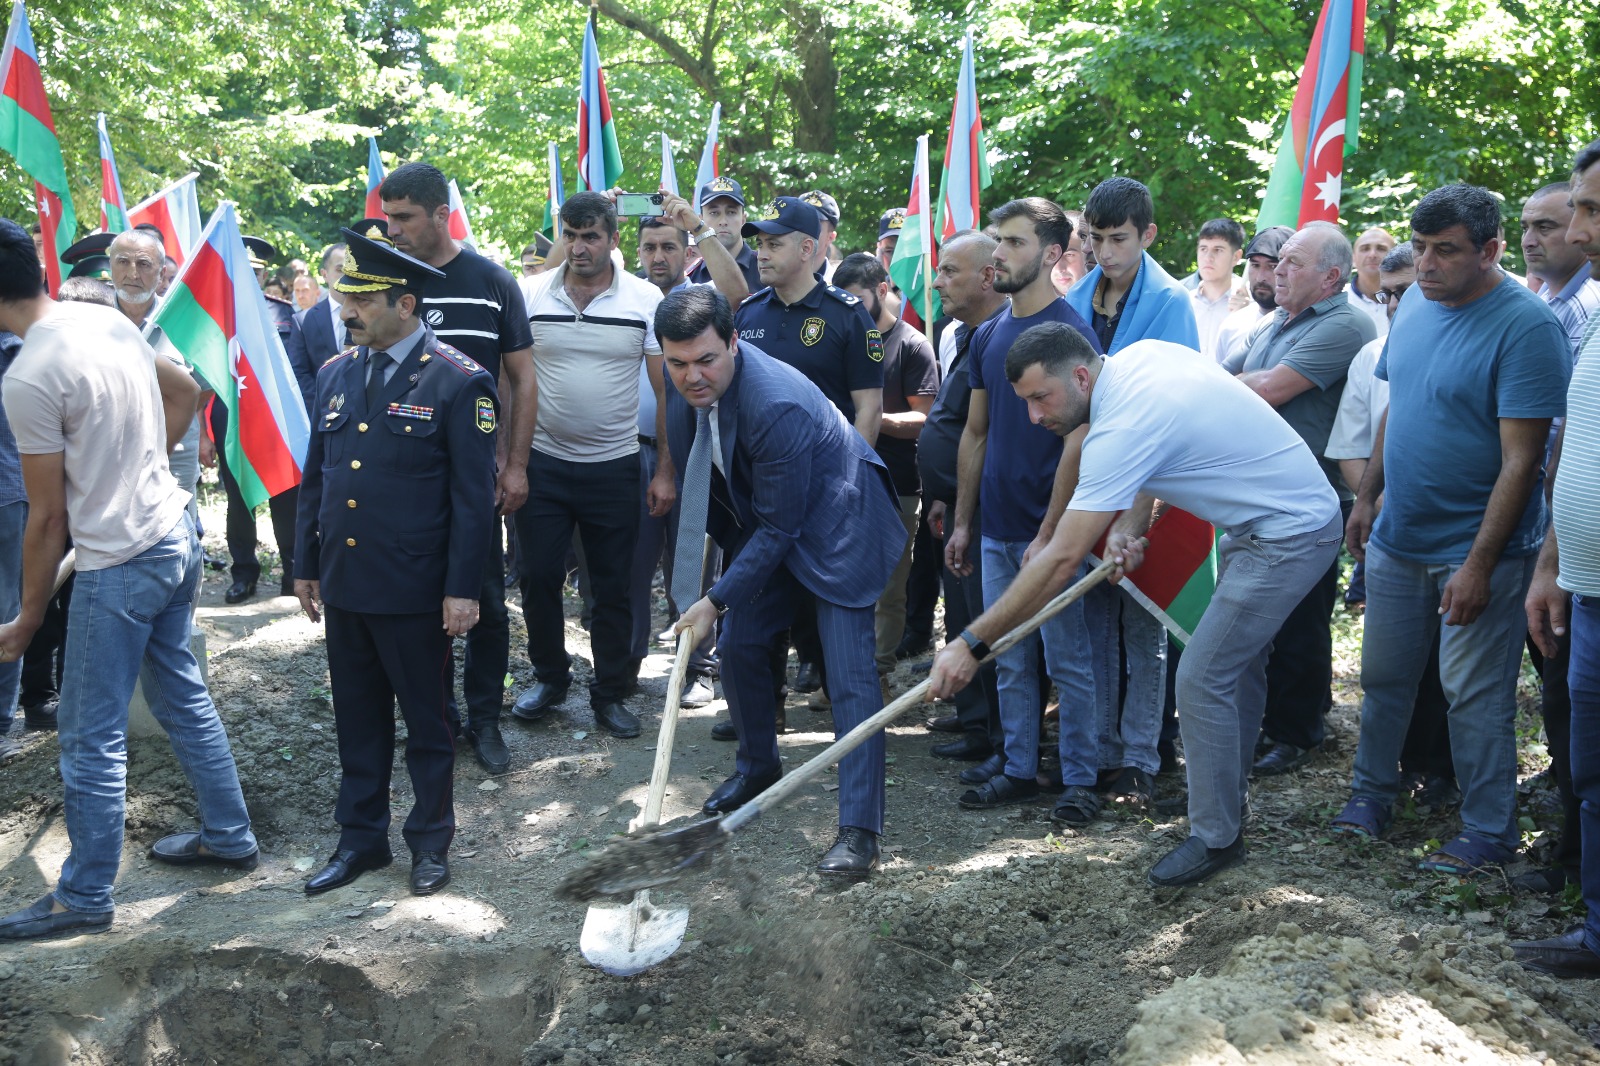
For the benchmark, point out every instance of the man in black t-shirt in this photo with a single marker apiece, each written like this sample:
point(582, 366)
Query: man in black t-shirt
point(477, 309)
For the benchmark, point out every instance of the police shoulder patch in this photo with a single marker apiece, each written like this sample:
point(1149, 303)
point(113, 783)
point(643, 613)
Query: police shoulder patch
point(843, 297)
point(811, 331)
point(874, 346)
point(485, 414)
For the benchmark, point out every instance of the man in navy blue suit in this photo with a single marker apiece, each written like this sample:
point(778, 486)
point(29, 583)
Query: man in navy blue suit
point(321, 330)
point(806, 510)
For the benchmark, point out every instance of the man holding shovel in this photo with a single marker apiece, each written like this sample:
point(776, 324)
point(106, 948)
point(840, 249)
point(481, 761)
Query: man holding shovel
point(1155, 423)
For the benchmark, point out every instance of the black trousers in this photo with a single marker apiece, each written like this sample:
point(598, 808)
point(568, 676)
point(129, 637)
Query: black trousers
point(41, 663)
point(923, 582)
point(242, 527)
point(601, 501)
point(1556, 706)
point(375, 660)
point(488, 654)
point(1427, 745)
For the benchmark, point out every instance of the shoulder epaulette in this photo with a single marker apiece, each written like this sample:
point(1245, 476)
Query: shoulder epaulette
point(756, 295)
point(347, 352)
point(278, 299)
point(842, 296)
point(455, 359)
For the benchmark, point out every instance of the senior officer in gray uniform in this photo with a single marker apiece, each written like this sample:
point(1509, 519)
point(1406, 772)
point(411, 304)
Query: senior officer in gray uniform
point(396, 506)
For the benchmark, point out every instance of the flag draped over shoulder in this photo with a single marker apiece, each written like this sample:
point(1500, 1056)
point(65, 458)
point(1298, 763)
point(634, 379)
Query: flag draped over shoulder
point(175, 211)
point(907, 268)
point(966, 157)
point(113, 208)
point(1321, 130)
point(599, 159)
point(1179, 572)
point(28, 132)
point(710, 163)
point(460, 228)
point(216, 319)
point(375, 177)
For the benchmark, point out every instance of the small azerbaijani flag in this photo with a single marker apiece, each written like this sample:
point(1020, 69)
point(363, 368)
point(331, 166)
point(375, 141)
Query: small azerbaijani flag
point(710, 163)
point(460, 228)
point(554, 197)
point(966, 158)
point(1321, 130)
point(216, 319)
point(599, 159)
point(1179, 572)
point(909, 268)
point(28, 132)
point(113, 208)
point(175, 211)
point(669, 170)
point(375, 177)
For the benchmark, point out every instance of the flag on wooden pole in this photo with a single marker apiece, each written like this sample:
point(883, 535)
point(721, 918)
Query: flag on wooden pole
point(912, 266)
point(28, 132)
point(599, 159)
point(966, 157)
point(113, 208)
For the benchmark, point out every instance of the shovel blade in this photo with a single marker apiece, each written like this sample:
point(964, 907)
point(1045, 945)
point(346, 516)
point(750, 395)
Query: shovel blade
point(623, 939)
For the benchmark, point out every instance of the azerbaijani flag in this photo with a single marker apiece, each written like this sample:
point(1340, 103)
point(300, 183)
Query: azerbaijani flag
point(175, 211)
point(1179, 572)
point(1321, 129)
point(113, 208)
point(554, 197)
point(460, 228)
point(28, 132)
point(966, 158)
point(710, 164)
point(374, 179)
point(910, 268)
point(599, 159)
point(669, 171)
point(215, 317)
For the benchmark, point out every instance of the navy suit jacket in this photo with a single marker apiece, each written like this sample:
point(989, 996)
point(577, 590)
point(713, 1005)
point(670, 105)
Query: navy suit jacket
point(316, 327)
point(804, 490)
point(396, 505)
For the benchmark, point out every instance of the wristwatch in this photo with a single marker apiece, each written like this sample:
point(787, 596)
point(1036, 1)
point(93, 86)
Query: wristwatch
point(703, 232)
point(980, 650)
point(721, 607)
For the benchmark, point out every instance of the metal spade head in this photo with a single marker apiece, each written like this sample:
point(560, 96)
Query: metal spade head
point(641, 860)
point(628, 938)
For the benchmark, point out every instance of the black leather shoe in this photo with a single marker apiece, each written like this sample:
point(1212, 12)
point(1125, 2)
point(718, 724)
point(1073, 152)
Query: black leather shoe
point(807, 678)
point(853, 855)
point(1561, 956)
point(489, 746)
point(183, 849)
point(697, 691)
point(41, 717)
point(736, 791)
point(1192, 862)
point(999, 791)
point(1282, 759)
point(36, 921)
point(617, 720)
point(535, 703)
point(977, 775)
point(344, 867)
point(239, 591)
point(429, 873)
point(723, 730)
point(946, 723)
point(971, 747)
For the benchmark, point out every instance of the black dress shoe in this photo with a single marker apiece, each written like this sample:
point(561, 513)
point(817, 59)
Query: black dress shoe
point(946, 723)
point(36, 921)
point(617, 720)
point(344, 867)
point(535, 703)
point(977, 775)
point(853, 855)
point(807, 678)
point(1562, 956)
point(736, 791)
point(971, 747)
point(723, 730)
point(183, 849)
point(239, 591)
point(999, 791)
point(41, 717)
point(429, 873)
point(1192, 862)
point(489, 746)
point(1282, 759)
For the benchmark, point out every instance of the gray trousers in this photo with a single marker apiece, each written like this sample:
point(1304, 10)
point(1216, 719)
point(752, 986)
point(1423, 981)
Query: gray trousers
point(1222, 679)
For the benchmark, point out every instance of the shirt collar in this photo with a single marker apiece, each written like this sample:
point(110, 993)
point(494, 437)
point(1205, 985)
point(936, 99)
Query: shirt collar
point(1579, 280)
point(401, 349)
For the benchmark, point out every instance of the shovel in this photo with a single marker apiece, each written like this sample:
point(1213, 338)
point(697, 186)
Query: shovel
point(628, 938)
point(652, 858)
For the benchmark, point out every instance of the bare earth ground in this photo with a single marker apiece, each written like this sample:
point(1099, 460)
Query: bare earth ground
point(985, 939)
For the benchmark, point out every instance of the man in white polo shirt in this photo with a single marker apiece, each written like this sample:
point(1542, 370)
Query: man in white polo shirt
point(1164, 425)
point(592, 325)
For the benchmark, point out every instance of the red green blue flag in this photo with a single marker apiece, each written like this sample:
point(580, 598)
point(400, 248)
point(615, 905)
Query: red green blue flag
point(460, 228)
point(215, 317)
point(374, 179)
point(709, 166)
point(1179, 572)
point(966, 158)
point(555, 195)
point(912, 266)
point(113, 208)
point(175, 211)
point(28, 132)
point(599, 159)
point(1321, 130)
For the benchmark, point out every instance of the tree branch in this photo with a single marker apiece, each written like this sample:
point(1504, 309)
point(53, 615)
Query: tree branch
point(703, 74)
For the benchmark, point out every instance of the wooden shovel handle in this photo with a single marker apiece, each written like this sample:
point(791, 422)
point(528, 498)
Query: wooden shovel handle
point(651, 815)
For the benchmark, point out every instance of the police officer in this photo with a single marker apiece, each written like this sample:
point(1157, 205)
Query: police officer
point(396, 506)
point(722, 207)
point(890, 224)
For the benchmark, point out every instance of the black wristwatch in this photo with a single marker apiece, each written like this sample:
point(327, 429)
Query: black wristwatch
point(721, 607)
point(980, 650)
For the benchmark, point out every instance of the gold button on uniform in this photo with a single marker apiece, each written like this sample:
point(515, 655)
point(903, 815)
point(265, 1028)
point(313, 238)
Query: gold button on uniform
point(349, 503)
point(408, 429)
point(355, 464)
point(351, 542)
point(362, 427)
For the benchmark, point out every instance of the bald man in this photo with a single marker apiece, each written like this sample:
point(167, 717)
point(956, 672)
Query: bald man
point(1370, 249)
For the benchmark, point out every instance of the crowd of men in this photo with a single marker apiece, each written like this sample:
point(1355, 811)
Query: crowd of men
point(758, 417)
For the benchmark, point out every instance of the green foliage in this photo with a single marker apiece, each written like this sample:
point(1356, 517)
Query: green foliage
point(272, 103)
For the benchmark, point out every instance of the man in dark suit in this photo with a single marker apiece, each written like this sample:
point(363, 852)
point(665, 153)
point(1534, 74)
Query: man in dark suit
point(806, 510)
point(321, 329)
point(397, 502)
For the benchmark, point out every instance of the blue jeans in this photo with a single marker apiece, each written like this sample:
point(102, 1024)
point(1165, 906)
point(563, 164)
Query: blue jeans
point(13, 519)
point(1130, 725)
point(1066, 653)
point(122, 617)
point(1478, 666)
point(1583, 677)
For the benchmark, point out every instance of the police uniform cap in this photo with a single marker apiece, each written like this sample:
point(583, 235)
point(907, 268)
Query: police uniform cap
point(372, 263)
point(891, 222)
point(88, 257)
point(721, 186)
point(261, 251)
point(542, 247)
point(826, 205)
point(786, 214)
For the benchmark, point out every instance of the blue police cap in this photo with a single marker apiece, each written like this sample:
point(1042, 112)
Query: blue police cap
point(722, 186)
point(786, 214)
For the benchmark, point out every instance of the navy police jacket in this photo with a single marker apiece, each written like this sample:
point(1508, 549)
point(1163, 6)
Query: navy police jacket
point(397, 503)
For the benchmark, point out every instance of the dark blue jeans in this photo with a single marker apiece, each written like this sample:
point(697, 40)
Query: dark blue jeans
point(1583, 678)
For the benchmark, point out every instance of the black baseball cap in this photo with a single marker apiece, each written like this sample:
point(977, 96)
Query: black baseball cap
point(722, 186)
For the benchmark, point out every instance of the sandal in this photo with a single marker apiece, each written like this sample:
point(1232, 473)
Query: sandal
point(1362, 817)
point(1468, 855)
point(999, 791)
point(1133, 790)
point(1077, 806)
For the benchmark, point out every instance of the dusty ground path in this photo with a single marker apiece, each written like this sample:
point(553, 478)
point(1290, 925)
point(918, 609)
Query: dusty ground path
point(986, 938)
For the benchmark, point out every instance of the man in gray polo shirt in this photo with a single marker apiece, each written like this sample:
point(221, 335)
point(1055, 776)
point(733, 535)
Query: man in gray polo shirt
point(1298, 364)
